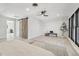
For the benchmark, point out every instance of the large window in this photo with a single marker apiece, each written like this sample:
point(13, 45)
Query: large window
point(71, 27)
point(74, 27)
point(77, 40)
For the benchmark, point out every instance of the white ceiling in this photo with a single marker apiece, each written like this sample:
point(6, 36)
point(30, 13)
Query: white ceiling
point(54, 10)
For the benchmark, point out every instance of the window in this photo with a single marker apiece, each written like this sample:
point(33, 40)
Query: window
point(74, 27)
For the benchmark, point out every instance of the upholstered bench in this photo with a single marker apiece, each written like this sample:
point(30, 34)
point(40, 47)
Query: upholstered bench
point(51, 33)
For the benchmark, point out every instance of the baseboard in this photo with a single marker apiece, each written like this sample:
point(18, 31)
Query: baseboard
point(76, 48)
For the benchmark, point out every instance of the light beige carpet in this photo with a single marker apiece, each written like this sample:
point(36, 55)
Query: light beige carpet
point(20, 48)
point(53, 44)
point(57, 45)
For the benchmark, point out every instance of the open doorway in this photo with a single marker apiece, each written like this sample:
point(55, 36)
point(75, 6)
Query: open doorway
point(10, 29)
point(17, 29)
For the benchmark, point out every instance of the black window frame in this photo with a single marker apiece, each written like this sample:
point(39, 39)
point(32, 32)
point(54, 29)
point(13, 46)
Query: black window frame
point(74, 26)
point(72, 22)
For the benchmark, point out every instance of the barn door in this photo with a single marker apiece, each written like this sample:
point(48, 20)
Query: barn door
point(24, 28)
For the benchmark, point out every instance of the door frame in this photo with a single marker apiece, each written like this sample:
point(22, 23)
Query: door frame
point(13, 29)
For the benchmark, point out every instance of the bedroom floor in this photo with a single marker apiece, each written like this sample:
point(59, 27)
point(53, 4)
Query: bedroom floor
point(57, 45)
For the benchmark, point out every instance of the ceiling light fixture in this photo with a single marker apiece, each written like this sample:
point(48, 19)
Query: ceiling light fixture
point(58, 15)
point(35, 4)
point(27, 9)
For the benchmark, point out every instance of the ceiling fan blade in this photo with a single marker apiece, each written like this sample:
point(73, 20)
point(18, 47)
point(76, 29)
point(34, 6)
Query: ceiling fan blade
point(45, 15)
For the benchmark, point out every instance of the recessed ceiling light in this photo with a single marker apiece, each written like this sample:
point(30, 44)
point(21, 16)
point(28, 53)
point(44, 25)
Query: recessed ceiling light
point(27, 9)
point(58, 15)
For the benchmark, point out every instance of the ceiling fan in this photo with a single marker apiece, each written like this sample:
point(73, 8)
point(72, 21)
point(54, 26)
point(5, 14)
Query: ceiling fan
point(43, 13)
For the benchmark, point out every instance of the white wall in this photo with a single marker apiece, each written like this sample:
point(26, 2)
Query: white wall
point(55, 25)
point(34, 28)
point(38, 27)
point(17, 29)
point(42, 27)
point(3, 27)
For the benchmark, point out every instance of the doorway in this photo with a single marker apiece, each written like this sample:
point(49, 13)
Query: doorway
point(17, 29)
point(10, 29)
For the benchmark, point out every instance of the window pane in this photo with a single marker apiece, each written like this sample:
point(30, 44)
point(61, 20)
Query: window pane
point(78, 35)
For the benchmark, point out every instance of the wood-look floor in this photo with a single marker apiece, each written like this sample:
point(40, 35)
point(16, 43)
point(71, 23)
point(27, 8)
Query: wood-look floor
point(58, 45)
